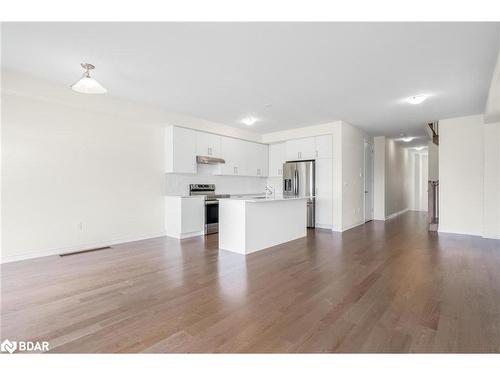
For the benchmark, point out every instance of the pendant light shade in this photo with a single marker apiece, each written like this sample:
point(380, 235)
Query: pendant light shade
point(88, 85)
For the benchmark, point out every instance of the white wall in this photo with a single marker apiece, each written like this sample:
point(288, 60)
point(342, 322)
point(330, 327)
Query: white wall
point(417, 181)
point(491, 191)
point(337, 166)
point(461, 175)
point(63, 166)
point(433, 169)
point(352, 176)
point(80, 171)
point(379, 178)
point(396, 199)
point(424, 182)
point(392, 184)
point(178, 184)
point(492, 110)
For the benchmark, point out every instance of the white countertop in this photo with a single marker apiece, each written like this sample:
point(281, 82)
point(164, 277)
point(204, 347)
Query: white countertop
point(185, 196)
point(262, 199)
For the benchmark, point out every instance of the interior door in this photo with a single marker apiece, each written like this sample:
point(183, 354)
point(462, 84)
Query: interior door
point(368, 164)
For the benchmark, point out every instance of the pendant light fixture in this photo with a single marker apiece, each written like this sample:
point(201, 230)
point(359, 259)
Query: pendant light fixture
point(88, 85)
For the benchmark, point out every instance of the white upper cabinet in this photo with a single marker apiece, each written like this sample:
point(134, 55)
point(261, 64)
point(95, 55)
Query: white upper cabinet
point(208, 144)
point(242, 158)
point(232, 152)
point(277, 156)
point(180, 150)
point(262, 159)
point(301, 149)
point(323, 146)
point(309, 148)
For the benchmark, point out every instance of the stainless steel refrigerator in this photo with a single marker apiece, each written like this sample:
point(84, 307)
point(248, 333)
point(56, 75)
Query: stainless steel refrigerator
point(299, 180)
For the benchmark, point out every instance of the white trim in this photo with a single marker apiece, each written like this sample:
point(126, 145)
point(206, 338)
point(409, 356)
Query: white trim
point(396, 214)
point(392, 216)
point(366, 141)
point(492, 236)
point(182, 236)
point(323, 226)
point(60, 250)
point(451, 231)
point(353, 226)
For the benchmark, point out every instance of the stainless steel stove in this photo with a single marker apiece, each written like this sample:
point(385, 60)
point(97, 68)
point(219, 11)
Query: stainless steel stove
point(211, 205)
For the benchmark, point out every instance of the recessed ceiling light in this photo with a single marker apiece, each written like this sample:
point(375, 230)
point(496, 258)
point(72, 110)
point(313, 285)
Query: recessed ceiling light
point(420, 148)
point(249, 121)
point(88, 85)
point(407, 139)
point(416, 99)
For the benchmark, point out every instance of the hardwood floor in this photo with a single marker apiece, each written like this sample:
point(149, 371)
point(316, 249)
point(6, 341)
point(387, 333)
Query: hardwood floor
point(380, 287)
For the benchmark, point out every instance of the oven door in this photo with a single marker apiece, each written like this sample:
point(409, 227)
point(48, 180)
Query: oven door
point(211, 217)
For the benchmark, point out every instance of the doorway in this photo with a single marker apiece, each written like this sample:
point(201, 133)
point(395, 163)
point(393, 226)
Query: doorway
point(368, 181)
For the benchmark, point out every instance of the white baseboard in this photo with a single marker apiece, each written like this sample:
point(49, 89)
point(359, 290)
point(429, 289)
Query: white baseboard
point(492, 236)
point(454, 231)
point(396, 214)
point(67, 249)
point(182, 236)
point(323, 226)
point(353, 226)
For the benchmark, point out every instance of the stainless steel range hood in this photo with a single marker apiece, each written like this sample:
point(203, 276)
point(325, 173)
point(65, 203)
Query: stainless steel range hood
point(209, 160)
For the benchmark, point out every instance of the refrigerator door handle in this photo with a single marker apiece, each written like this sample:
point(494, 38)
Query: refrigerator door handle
point(296, 182)
point(297, 193)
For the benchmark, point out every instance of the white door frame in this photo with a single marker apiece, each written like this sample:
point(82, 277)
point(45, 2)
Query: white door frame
point(368, 184)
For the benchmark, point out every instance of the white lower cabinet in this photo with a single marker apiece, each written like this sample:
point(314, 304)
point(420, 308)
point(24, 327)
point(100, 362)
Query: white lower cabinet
point(324, 193)
point(184, 216)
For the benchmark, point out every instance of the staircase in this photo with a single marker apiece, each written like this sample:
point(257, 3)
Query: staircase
point(433, 208)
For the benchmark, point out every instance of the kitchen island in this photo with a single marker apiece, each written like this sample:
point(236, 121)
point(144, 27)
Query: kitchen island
point(249, 224)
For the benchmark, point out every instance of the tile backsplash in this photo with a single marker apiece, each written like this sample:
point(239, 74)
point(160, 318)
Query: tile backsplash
point(178, 184)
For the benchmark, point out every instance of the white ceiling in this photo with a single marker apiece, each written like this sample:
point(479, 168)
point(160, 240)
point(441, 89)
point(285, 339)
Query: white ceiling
point(309, 73)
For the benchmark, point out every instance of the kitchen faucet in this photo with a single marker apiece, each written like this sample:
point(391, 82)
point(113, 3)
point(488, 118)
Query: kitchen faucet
point(269, 189)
